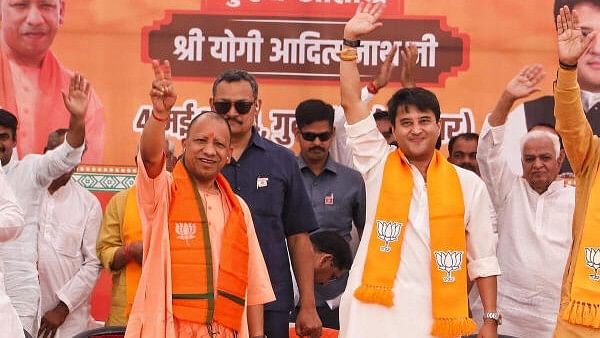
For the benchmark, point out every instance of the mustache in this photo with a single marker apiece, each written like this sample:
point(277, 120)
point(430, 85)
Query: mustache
point(228, 119)
point(313, 148)
point(468, 166)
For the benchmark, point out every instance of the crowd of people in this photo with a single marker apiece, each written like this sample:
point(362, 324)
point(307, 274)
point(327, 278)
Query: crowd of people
point(370, 230)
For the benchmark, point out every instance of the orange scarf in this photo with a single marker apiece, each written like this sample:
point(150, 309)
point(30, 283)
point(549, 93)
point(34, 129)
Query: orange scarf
point(191, 256)
point(132, 232)
point(584, 306)
point(448, 242)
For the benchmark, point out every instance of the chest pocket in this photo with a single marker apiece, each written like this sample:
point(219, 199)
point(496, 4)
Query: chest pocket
point(65, 237)
point(270, 194)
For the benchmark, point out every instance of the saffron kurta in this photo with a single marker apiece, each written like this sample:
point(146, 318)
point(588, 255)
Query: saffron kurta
point(152, 314)
point(583, 150)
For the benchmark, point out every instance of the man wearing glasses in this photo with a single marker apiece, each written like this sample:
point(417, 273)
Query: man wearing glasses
point(336, 191)
point(267, 177)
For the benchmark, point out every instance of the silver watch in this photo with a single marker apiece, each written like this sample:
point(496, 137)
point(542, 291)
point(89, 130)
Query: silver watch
point(495, 316)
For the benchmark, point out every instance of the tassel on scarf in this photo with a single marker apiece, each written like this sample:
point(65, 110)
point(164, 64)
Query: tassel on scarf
point(581, 313)
point(453, 327)
point(375, 294)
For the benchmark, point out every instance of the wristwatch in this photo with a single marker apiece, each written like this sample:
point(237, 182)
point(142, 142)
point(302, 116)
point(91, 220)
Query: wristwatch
point(495, 316)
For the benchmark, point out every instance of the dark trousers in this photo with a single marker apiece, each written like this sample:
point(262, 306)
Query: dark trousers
point(277, 324)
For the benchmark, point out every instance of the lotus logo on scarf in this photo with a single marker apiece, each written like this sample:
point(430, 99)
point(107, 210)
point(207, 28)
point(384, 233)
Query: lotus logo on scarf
point(449, 261)
point(185, 231)
point(388, 232)
point(592, 259)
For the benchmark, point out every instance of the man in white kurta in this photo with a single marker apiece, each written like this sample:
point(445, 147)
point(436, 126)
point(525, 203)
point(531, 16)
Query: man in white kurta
point(28, 178)
point(534, 218)
point(411, 314)
point(534, 239)
point(68, 267)
point(11, 225)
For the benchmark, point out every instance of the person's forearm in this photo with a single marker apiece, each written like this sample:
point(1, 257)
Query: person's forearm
point(487, 292)
point(120, 259)
point(255, 320)
point(502, 109)
point(151, 146)
point(76, 135)
point(301, 251)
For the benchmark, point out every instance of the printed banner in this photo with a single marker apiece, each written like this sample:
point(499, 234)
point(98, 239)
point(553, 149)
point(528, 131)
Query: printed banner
point(467, 51)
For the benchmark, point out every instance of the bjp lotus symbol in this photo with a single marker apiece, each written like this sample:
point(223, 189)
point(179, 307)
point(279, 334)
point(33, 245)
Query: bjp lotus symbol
point(388, 232)
point(448, 261)
point(592, 259)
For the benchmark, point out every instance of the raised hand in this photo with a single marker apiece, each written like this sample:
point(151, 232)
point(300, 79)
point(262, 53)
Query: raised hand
point(521, 85)
point(364, 20)
point(525, 82)
point(76, 100)
point(408, 55)
point(384, 72)
point(162, 93)
point(572, 43)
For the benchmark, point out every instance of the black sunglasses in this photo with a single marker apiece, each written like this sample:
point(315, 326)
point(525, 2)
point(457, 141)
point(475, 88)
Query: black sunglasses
point(312, 136)
point(242, 107)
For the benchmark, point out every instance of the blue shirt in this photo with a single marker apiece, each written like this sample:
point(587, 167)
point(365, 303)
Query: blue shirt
point(267, 177)
point(337, 196)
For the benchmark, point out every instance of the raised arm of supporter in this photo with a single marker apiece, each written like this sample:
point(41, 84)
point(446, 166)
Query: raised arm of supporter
point(76, 102)
point(163, 98)
point(571, 122)
point(384, 72)
point(408, 56)
point(493, 166)
point(11, 215)
point(364, 21)
point(520, 86)
point(64, 158)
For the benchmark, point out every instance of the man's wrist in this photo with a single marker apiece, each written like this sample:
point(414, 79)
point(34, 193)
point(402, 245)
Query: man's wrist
point(63, 307)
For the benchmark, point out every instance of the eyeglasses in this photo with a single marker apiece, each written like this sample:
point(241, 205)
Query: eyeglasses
point(312, 136)
point(242, 107)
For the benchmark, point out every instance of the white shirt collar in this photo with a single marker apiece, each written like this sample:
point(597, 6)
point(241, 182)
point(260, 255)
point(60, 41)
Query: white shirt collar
point(589, 99)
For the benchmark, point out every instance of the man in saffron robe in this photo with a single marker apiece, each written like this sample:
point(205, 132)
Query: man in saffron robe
point(203, 272)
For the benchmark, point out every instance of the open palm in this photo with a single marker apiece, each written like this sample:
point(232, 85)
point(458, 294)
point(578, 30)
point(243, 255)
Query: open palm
point(76, 100)
point(572, 43)
point(364, 20)
point(525, 83)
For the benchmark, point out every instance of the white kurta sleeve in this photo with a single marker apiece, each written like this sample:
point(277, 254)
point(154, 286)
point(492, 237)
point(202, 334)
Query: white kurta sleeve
point(340, 150)
point(480, 224)
point(79, 288)
point(368, 145)
point(57, 162)
point(493, 166)
point(11, 215)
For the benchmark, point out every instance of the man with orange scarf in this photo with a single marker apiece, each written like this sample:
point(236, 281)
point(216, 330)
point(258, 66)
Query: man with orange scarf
point(579, 314)
point(429, 224)
point(32, 79)
point(203, 272)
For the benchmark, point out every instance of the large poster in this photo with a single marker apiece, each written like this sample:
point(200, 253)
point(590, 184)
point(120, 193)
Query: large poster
point(467, 51)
